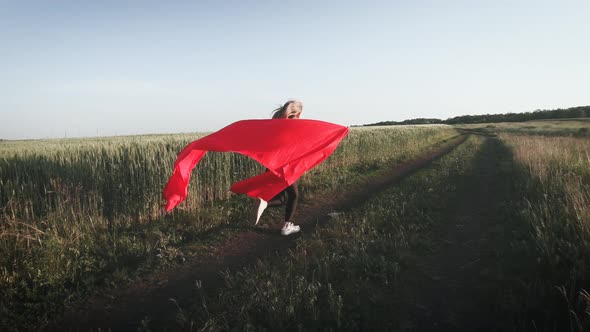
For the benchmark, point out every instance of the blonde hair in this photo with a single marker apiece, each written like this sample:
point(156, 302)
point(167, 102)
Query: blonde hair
point(291, 108)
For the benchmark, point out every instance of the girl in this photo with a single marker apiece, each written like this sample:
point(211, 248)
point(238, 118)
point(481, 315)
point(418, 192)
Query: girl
point(288, 197)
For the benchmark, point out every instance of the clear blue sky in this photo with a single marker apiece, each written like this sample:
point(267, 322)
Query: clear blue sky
point(87, 68)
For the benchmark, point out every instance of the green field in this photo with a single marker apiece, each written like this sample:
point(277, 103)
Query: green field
point(553, 127)
point(78, 215)
point(494, 235)
point(429, 249)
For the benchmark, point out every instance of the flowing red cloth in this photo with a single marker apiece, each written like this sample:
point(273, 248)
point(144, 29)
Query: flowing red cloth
point(288, 148)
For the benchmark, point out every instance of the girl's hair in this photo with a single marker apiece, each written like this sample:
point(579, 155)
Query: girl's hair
point(291, 108)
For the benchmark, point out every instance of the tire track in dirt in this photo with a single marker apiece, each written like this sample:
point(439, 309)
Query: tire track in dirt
point(452, 289)
point(124, 309)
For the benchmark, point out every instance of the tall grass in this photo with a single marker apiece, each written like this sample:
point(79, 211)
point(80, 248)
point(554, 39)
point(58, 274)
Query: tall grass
point(556, 204)
point(80, 213)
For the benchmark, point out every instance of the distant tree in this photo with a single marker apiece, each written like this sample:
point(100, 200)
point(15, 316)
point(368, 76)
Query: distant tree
point(572, 112)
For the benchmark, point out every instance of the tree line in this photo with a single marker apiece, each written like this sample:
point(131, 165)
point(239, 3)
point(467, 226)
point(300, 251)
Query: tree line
point(572, 112)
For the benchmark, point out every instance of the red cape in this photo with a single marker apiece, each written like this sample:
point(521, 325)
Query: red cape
point(288, 148)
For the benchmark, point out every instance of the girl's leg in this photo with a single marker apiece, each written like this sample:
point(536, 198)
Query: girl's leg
point(278, 200)
point(292, 198)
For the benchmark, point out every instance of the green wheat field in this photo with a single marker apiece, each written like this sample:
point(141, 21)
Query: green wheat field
point(78, 216)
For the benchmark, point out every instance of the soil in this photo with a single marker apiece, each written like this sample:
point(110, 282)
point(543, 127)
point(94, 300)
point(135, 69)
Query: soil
point(162, 296)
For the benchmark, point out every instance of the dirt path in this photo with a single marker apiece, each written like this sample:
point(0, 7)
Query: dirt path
point(453, 291)
point(151, 297)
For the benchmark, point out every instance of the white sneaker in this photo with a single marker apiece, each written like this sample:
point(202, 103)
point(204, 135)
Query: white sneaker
point(290, 228)
point(261, 208)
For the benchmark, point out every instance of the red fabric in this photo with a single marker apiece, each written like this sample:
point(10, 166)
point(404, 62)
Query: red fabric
point(288, 148)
